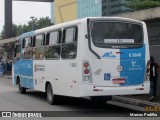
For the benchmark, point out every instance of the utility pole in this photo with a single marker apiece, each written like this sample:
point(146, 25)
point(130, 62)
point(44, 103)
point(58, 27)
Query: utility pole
point(32, 18)
point(8, 18)
point(8, 15)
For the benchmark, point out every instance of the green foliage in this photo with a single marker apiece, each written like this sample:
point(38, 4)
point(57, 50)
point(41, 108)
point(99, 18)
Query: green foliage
point(143, 4)
point(33, 24)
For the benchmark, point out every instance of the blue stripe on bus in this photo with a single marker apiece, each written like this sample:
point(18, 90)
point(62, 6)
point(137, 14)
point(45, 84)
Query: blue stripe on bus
point(24, 68)
point(133, 64)
point(27, 82)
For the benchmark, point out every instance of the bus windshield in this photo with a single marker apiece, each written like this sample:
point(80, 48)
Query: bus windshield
point(109, 34)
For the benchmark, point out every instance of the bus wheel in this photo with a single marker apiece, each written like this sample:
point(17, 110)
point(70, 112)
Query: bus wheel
point(100, 99)
point(51, 98)
point(22, 90)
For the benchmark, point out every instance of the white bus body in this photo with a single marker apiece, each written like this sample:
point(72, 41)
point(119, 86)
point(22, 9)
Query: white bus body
point(102, 56)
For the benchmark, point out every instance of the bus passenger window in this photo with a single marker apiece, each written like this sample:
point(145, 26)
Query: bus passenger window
point(69, 46)
point(27, 48)
point(39, 40)
point(23, 43)
point(53, 50)
point(47, 39)
point(34, 41)
point(38, 49)
point(54, 38)
point(17, 52)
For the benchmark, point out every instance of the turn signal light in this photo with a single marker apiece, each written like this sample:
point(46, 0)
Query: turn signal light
point(86, 65)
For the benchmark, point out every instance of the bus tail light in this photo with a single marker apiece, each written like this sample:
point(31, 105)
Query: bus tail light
point(148, 71)
point(86, 65)
point(148, 67)
point(86, 72)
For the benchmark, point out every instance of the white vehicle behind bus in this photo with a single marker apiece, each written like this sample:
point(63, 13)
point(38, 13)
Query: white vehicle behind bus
point(95, 57)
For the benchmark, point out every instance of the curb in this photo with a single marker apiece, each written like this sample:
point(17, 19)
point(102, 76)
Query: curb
point(136, 102)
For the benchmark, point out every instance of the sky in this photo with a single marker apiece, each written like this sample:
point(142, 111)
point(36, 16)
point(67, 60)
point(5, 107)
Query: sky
point(22, 11)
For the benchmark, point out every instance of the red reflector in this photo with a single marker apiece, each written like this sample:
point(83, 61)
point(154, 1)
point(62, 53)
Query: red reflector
point(86, 71)
point(119, 52)
point(139, 88)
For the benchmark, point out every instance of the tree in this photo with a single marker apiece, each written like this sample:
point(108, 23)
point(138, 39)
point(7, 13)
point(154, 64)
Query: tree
point(14, 33)
point(143, 4)
point(33, 24)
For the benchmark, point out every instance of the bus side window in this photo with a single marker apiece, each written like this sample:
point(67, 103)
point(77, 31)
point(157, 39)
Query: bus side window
point(23, 43)
point(17, 52)
point(54, 42)
point(69, 45)
point(34, 41)
point(27, 48)
point(38, 48)
point(47, 38)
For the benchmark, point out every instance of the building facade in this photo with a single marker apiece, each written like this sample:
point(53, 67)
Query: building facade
point(87, 8)
point(67, 10)
point(115, 7)
point(101, 8)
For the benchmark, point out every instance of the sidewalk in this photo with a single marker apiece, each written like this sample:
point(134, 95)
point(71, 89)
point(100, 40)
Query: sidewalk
point(146, 97)
point(139, 100)
point(8, 75)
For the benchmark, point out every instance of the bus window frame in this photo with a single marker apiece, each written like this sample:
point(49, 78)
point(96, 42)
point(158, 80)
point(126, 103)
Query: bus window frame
point(74, 42)
point(60, 38)
point(117, 46)
point(24, 46)
point(53, 45)
point(41, 46)
point(17, 51)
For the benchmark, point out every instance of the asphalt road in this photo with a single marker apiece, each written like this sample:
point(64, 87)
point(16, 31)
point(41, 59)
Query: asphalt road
point(11, 100)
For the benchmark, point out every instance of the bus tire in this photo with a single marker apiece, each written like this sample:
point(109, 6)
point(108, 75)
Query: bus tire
point(100, 99)
point(51, 98)
point(22, 90)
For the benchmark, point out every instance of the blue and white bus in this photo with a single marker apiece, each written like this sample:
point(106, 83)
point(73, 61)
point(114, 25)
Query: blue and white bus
point(95, 57)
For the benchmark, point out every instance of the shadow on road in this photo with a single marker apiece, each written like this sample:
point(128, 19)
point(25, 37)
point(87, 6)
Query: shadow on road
point(79, 103)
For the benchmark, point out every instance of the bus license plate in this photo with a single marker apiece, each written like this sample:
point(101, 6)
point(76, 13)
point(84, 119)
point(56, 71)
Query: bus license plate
point(118, 81)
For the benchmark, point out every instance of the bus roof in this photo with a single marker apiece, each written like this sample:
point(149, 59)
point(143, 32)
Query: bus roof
point(71, 23)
